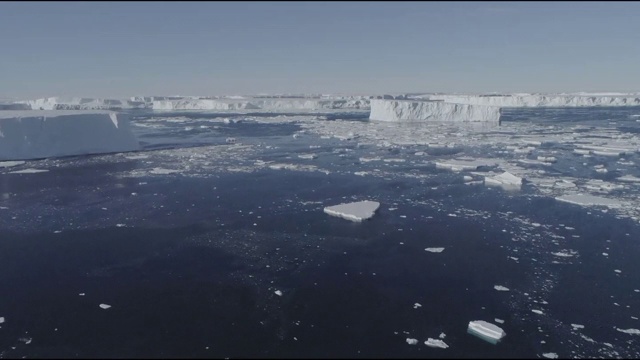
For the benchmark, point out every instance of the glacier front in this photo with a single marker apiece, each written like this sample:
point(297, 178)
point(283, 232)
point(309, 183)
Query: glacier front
point(37, 134)
point(436, 111)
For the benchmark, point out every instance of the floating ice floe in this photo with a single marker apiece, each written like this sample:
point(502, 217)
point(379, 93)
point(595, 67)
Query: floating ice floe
point(308, 156)
point(2, 320)
point(550, 355)
point(278, 292)
point(588, 200)
point(501, 288)
point(577, 326)
point(539, 312)
point(4, 164)
point(416, 305)
point(435, 343)
point(629, 331)
point(411, 341)
point(460, 165)
point(161, 171)
point(486, 331)
point(628, 178)
point(506, 179)
point(356, 211)
point(28, 171)
point(434, 250)
point(104, 306)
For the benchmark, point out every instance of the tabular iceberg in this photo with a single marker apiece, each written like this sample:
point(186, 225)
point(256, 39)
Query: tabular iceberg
point(417, 111)
point(34, 134)
point(539, 100)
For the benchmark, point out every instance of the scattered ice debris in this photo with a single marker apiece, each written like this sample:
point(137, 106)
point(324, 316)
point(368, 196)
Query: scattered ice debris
point(460, 165)
point(28, 171)
point(416, 305)
point(120, 225)
point(356, 211)
point(411, 341)
point(499, 321)
point(434, 250)
point(308, 156)
point(539, 312)
point(550, 355)
point(435, 343)
point(161, 171)
point(587, 200)
point(500, 288)
point(577, 326)
point(565, 253)
point(505, 179)
point(104, 306)
point(27, 341)
point(278, 292)
point(628, 178)
point(629, 331)
point(442, 335)
point(486, 331)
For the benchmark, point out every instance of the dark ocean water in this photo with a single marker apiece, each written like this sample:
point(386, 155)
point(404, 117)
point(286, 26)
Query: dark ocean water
point(190, 265)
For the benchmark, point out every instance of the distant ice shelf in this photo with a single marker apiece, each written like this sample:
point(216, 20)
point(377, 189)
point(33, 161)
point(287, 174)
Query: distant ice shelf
point(541, 100)
point(356, 211)
point(33, 134)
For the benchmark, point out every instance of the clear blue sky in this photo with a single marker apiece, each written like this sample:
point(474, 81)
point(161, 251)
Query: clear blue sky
point(113, 49)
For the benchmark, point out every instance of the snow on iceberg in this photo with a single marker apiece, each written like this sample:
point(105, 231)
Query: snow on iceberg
point(356, 211)
point(486, 331)
point(35, 134)
point(437, 111)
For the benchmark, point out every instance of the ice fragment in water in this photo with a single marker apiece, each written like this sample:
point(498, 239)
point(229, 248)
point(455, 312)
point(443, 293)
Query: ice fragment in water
point(356, 211)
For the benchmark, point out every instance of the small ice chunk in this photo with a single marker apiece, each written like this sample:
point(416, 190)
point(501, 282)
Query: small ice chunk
point(28, 171)
point(278, 292)
point(499, 321)
point(442, 335)
point(230, 140)
point(2, 320)
point(577, 326)
point(4, 164)
point(617, 271)
point(486, 331)
point(539, 312)
point(356, 211)
point(550, 355)
point(411, 341)
point(587, 200)
point(104, 306)
point(501, 288)
point(434, 250)
point(81, 294)
point(416, 305)
point(435, 343)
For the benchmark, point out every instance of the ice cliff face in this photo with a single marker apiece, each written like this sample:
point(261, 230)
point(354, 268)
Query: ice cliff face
point(416, 111)
point(41, 134)
point(533, 100)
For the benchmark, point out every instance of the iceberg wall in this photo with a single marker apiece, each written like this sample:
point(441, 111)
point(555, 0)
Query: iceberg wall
point(260, 103)
point(36, 134)
point(78, 103)
point(417, 111)
point(536, 100)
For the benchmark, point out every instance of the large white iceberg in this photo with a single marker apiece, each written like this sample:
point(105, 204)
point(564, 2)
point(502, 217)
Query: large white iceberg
point(41, 134)
point(77, 103)
point(356, 211)
point(540, 100)
point(437, 111)
point(260, 103)
point(486, 331)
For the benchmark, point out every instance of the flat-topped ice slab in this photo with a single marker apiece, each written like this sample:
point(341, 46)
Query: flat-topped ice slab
point(356, 211)
point(436, 111)
point(486, 331)
point(506, 179)
point(588, 200)
point(37, 134)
